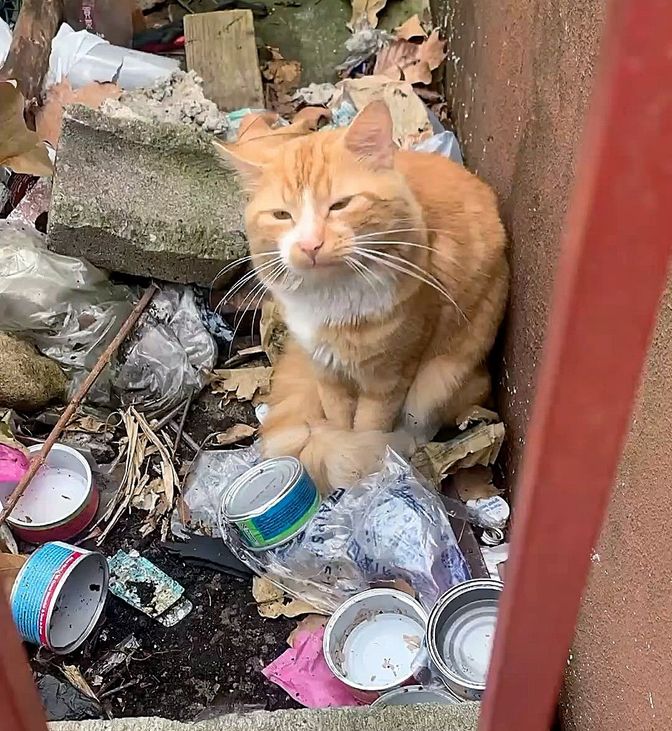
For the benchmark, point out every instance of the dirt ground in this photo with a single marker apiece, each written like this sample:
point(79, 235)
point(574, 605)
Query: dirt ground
point(212, 659)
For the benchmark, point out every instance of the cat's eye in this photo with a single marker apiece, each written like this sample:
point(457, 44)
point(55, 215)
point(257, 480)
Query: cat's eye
point(340, 204)
point(282, 215)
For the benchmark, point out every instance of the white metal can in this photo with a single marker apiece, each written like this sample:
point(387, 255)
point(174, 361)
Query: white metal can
point(460, 633)
point(271, 503)
point(414, 694)
point(372, 640)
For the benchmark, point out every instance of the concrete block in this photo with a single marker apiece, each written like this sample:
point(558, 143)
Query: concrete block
point(144, 198)
point(460, 717)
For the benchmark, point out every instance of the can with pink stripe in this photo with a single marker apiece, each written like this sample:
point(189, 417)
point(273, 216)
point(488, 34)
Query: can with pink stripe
point(59, 595)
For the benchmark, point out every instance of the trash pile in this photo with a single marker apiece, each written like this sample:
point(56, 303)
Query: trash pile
point(129, 410)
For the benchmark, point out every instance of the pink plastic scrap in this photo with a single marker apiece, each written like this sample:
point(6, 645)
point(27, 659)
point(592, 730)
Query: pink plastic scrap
point(303, 673)
point(13, 464)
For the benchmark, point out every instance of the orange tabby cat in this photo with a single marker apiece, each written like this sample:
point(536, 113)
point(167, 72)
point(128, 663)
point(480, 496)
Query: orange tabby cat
point(390, 270)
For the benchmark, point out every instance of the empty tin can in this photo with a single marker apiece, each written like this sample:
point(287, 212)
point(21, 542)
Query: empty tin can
point(60, 501)
point(413, 694)
point(271, 503)
point(59, 595)
point(460, 632)
point(372, 640)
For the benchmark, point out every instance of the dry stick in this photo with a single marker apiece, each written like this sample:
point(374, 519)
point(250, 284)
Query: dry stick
point(60, 425)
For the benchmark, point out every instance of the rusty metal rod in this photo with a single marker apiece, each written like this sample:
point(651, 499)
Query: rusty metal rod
point(60, 425)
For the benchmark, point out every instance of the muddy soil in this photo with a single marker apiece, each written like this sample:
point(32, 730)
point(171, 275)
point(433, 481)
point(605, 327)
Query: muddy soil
point(212, 659)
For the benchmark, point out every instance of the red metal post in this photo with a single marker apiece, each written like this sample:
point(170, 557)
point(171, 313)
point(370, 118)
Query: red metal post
point(20, 706)
point(611, 274)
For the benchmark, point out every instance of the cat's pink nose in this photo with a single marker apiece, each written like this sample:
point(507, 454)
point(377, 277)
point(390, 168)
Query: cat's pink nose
point(310, 247)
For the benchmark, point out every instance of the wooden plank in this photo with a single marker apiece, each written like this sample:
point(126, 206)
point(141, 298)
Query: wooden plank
point(222, 50)
point(612, 271)
point(28, 57)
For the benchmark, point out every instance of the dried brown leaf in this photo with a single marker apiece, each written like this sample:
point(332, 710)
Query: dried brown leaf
point(411, 28)
point(89, 424)
point(272, 602)
point(21, 149)
point(311, 623)
point(365, 12)
point(76, 679)
point(414, 62)
point(273, 330)
point(433, 50)
point(235, 434)
point(242, 383)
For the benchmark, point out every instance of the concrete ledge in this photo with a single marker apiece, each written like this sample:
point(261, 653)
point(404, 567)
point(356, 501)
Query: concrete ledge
point(460, 717)
point(144, 198)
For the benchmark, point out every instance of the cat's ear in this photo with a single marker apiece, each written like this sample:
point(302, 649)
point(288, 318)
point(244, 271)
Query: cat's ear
point(247, 167)
point(369, 136)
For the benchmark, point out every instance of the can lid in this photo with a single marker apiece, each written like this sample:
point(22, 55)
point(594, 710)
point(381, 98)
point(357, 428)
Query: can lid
point(468, 641)
point(258, 488)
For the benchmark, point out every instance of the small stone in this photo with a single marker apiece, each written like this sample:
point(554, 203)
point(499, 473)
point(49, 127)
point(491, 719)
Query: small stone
point(28, 381)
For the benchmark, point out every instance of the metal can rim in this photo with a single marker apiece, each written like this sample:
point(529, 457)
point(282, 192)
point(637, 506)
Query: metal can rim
point(448, 596)
point(329, 628)
point(380, 702)
point(239, 483)
point(39, 527)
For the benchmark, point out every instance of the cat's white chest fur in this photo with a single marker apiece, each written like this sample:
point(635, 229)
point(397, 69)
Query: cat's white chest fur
point(310, 308)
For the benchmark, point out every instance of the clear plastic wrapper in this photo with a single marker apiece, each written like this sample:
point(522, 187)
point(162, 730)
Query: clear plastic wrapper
point(64, 305)
point(444, 143)
point(388, 526)
point(166, 358)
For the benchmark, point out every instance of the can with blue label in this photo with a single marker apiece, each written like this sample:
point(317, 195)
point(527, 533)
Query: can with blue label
point(271, 503)
point(59, 595)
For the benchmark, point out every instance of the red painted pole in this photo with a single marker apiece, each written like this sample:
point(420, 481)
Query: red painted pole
point(612, 271)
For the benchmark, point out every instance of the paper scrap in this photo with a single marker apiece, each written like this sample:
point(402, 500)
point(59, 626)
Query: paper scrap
point(242, 384)
point(235, 434)
point(272, 602)
point(304, 674)
point(142, 585)
point(21, 149)
point(475, 415)
point(7, 541)
point(365, 12)
point(478, 445)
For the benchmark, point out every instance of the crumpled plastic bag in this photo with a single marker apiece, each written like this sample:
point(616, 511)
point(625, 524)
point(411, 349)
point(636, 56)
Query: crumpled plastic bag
point(65, 306)
point(208, 478)
point(71, 311)
point(168, 355)
point(387, 526)
point(443, 143)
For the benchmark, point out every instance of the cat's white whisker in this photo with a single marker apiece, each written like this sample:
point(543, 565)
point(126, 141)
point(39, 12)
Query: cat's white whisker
point(361, 270)
point(431, 249)
point(248, 276)
point(421, 275)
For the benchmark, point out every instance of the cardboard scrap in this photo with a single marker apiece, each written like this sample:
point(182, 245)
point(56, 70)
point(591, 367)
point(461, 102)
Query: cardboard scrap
point(234, 434)
point(10, 565)
point(410, 121)
point(21, 149)
point(49, 117)
point(477, 445)
point(242, 384)
point(272, 602)
point(365, 12)
point(412, 60)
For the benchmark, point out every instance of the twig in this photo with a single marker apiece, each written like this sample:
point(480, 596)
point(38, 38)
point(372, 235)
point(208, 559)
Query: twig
point(113, 691)
point(184, 436)
point(180, 430)
point(170, 415)
point(60, 425)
